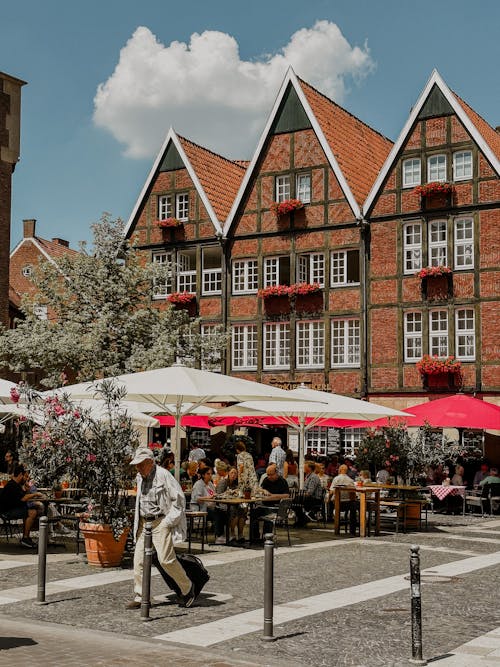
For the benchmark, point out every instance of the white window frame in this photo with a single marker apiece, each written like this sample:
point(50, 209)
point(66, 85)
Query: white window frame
point(244, 350)
point(303, 187)
point(317, 440)
point(311, 268)
point(438, 333)
point(436, 168)
point(438, 246)
point(413, 336)
point(165, 207)
point(245, 276)
point(346, 342)
point(350, 440)
point(211, 331)
point(462, 162)
point(162, 258)
point(465, 334)
point(463, 242)
point(276, 345)
point(211, 282)
point(339, 268)
point(413, 175)
point(182, 206)
point(186, 276)
point(283, 187)
point(412, 252)
point(310, 338)
point(40, 312)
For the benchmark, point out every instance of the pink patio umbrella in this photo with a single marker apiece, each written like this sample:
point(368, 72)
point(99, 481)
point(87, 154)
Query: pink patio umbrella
point(458, 411)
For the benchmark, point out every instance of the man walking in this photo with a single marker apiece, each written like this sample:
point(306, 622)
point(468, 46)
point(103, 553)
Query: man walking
point(277, 455)
point(161, 500)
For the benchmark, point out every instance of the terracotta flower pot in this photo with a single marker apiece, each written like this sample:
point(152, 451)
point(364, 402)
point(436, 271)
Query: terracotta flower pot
point(101, 547)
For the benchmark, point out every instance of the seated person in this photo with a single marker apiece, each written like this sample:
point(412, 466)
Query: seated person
point(273, 484)
point(14, 504)
point(348, 502)
point(480, 475)
point(237, 513)
point(314, 495)
point(11, 461)
point(204, 488)
point(492, 478)
point(486, 485)
point(384, 475)
point(365, 477)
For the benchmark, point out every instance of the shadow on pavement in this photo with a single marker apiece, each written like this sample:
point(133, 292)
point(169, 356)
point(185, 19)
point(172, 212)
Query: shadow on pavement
point(14, 642)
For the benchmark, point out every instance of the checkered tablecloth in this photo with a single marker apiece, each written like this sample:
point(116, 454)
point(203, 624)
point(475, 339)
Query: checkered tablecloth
point(441, 491)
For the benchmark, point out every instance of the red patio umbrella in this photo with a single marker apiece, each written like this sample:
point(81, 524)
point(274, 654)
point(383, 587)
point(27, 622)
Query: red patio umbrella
point(458, 411)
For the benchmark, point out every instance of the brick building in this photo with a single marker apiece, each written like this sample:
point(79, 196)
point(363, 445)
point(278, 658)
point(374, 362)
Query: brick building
point(10, 127)
point(25, 257)
point(360, 237)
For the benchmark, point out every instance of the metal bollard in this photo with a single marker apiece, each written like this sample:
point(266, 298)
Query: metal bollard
point(146, 570)
point(268, 587)
point(42, 559)
point(416, 608)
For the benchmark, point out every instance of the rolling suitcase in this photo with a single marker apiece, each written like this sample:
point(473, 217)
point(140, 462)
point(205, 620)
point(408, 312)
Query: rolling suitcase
point(194, 569)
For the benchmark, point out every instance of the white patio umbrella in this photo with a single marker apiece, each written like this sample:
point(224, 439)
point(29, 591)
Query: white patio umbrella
point(5, 387)
point(178, 390)
point(308, 414)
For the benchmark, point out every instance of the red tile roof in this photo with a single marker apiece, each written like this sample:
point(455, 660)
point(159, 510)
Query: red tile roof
point(359, 150)
point(491, 136)
point(220, 178)
point(55, 249)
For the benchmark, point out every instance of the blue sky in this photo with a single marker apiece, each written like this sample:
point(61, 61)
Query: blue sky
point(77, 161)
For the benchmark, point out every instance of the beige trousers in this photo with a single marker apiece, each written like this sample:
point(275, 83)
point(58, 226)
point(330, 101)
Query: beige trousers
point(163, 543)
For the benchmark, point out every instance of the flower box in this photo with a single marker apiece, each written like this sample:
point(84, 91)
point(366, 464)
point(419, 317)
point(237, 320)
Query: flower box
point(168, 223)
point(283, 208)
point(440, 372)
point(183, 301)
point(437, 282)
point(275, 291)
point(276, 299)
point(435, 195)
point(304, 289)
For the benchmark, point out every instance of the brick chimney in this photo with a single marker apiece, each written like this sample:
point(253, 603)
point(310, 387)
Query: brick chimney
point(62, 242)
point(29, 228)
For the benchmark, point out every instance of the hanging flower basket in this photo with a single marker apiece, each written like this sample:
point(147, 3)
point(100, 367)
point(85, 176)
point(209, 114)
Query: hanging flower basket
point(285, 207)
point(276, 299)
point(169, 223)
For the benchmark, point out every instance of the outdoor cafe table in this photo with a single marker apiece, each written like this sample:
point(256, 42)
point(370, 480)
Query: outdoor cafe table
point(237, 500)
point(363, 492)
point(442, 491)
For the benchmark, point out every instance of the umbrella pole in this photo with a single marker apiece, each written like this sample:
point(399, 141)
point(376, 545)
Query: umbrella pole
point(302, 444)
point(177, 446)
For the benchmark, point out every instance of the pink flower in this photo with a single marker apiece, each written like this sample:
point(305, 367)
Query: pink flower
point(15, 395)
point(91, 457)
point(76, 414)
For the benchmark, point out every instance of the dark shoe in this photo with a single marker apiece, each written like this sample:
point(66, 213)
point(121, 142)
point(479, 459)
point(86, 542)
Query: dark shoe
point(188, 599)
point(241, 540)
point(27, 542)
point(233, 542)
point(133, 604)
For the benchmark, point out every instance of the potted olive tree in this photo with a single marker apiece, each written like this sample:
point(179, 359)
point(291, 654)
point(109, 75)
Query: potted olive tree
point(92, 447)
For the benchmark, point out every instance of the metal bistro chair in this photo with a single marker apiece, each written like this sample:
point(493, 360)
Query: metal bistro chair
point(279, 519)
point(490, 498)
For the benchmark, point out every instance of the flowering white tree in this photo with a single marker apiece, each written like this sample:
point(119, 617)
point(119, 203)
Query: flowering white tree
point(102, 320)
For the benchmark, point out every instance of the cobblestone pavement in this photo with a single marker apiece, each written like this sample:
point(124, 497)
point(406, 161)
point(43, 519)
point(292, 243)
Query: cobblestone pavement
point(375, 630)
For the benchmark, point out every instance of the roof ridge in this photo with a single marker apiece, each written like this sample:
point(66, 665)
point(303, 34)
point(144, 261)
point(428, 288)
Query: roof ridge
point(339, 106)
point(208, 150)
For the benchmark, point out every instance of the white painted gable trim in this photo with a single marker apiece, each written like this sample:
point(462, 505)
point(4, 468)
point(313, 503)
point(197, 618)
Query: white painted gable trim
point(172, 137)
point(290, 77)
point(37, 246)
point(435, 78)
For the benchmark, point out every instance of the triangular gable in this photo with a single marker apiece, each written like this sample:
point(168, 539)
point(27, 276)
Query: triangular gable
point(171, 160)
point(435, 105)
point(291, 116)
point(163, 154)
point(291, 80)
point(485, 137)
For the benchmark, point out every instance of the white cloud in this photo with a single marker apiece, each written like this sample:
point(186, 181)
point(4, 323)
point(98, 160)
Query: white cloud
point(207, 93)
